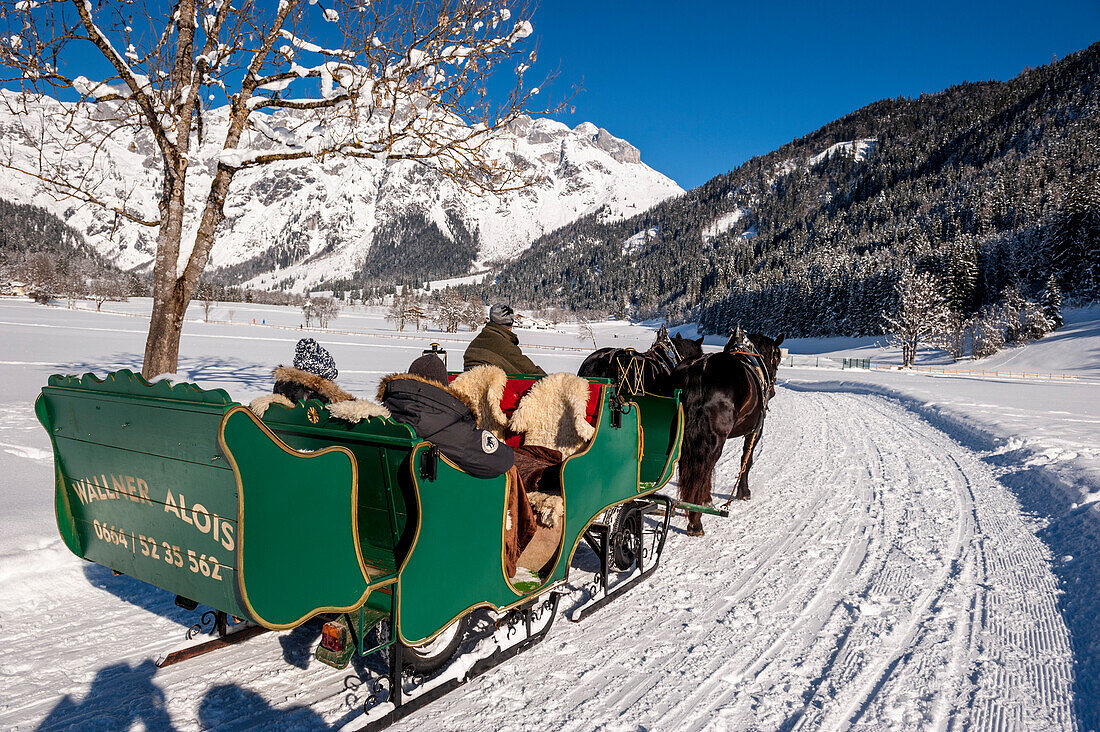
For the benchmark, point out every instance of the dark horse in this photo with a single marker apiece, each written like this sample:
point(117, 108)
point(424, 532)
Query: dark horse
point(649, 372)
point(725, 395)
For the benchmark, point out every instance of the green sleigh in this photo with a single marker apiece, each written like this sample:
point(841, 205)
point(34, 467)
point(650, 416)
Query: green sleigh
point(272, 522)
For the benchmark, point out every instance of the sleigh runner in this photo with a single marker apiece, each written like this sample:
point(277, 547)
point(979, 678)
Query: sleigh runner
point(272, 522)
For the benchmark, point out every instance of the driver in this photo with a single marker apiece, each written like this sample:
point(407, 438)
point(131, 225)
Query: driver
point(497, 345)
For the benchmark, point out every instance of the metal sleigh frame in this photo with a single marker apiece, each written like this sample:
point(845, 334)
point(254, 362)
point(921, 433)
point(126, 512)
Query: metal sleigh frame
point(601, 538)
point(391, 687)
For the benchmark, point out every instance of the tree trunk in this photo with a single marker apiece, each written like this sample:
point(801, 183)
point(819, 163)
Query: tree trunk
point(172, 293)
point(166, 319)
point(165, 327)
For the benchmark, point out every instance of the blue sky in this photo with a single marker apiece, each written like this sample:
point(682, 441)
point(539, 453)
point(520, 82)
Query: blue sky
point(700, 87)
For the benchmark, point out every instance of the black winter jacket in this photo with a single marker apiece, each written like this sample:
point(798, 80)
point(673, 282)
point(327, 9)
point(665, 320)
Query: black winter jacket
point(438, 415)
point(498, 346)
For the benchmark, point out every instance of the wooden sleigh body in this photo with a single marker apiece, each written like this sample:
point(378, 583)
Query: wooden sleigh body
point(271, 522)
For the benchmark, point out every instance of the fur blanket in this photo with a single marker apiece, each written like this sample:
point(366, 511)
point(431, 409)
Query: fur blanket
point(552, 414)
point(519, 522)
point(355, 410)
point(350, 410)
point(288, 378)
point(539, 469)
point(483, 387)
point(293, 384)
point(259, 405)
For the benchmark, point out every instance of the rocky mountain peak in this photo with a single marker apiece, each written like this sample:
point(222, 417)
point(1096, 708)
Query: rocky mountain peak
point(296, 224)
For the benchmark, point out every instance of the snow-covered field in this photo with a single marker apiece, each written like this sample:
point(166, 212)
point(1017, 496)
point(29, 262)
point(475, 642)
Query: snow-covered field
point(920, 552)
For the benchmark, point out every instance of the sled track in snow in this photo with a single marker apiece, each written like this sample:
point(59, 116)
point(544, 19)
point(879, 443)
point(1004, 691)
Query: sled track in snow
point(880, 577)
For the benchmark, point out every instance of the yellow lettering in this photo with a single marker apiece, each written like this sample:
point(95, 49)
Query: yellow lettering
point(170, 505)
point(227, 536)
point(183, 511)
point(143, 489)
point(199, 514)
point(106, 487)
point(79, 488)
point(131, 486)
point(118, 484)
point(100, 493)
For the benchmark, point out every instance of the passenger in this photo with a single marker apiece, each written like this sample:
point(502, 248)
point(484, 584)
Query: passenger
point(422, 400)
point(497, 345)
point(312, 376)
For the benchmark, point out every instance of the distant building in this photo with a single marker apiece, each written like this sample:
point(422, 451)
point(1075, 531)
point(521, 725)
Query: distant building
point(525, 321)
point(17, 289)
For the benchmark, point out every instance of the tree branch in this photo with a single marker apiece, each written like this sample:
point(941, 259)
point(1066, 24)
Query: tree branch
point(126, 74)
point(82, 195)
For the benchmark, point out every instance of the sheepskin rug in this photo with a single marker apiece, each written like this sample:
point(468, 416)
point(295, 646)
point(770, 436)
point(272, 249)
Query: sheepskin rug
point(552, 414)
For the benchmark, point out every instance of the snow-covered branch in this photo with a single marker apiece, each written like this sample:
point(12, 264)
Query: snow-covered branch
point(385, 80)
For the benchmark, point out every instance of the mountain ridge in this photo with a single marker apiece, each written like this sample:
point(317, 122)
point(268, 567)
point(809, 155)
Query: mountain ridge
point(975, 177)
point(295, 224)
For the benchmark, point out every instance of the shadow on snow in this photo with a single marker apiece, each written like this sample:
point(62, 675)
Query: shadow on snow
point(199, 369)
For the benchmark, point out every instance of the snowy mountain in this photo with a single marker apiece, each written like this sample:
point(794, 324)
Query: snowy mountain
point(988, 185)
point(296, 223)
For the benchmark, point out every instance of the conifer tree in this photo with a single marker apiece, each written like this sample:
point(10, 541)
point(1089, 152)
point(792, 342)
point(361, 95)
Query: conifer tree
point(1052, 303)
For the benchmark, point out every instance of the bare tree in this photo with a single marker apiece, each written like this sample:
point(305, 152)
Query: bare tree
point(325, 309)
point(73, 280)
point(447, 310)
point(473, 313)
point(415, 313)
point(921, 318)
point(383, 80)
point(109, 286)
point(206, 294)
point(584, 330)
point(988, 335)
point(40, 273)
point(398, 310)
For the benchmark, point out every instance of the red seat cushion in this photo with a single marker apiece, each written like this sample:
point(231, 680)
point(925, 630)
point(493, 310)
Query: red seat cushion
point(513, 392)
point(593, 408)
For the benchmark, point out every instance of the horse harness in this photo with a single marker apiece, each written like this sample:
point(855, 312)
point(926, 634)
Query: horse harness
point(631, 378)
point(759, 372)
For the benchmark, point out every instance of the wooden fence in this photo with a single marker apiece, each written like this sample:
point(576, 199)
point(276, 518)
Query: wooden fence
point(828, 362)
point(958, 371)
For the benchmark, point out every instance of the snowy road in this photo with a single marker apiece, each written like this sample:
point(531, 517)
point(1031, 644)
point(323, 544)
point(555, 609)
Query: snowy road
point(882, 576)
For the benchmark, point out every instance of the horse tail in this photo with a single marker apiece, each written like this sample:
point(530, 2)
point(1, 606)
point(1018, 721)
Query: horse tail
point(696, 455)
